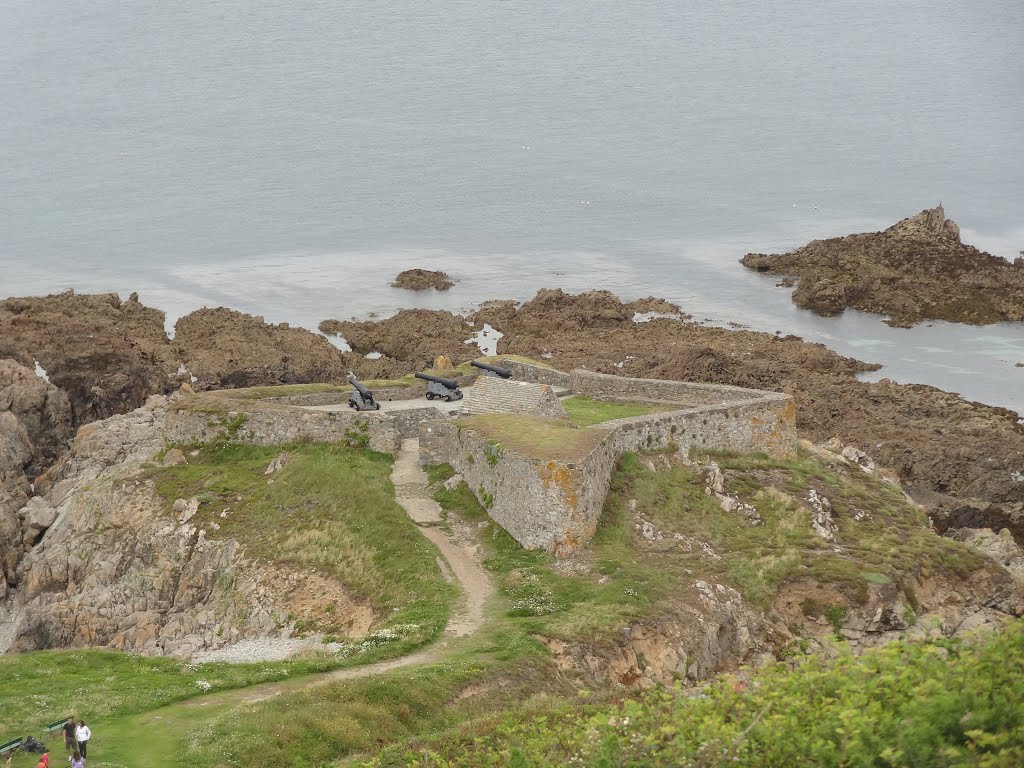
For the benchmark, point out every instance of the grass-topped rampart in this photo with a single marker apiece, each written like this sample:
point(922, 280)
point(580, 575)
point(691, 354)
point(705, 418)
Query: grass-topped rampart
point(536, 437)
point(585, 411)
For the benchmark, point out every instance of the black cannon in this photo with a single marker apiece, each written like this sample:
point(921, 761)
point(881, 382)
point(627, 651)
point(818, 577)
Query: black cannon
point(361, 398)
point(446, 389)
point(492, 370)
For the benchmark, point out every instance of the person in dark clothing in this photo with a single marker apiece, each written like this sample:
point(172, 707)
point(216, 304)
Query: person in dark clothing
point(70, 743)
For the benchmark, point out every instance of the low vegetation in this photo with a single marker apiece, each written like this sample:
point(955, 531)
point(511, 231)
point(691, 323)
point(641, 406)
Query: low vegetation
point(906, 704)
point(536, 437)
point(40, 687)
point(495, 698)
point(541, 601)
point(348, 719)
point(881, 538)
point(585, 411)
point(330, 509)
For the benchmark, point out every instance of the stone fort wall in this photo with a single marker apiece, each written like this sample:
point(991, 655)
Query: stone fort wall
point(556, 505)
point(273, 426)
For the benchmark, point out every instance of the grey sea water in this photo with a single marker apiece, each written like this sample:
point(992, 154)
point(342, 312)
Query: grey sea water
point(288, 158)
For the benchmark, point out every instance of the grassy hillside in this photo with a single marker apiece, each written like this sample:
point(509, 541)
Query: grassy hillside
point(40, 687)
point(621, 579)
point(906, 704)
point(330, 509)
point(880, 539)
point(498, 697)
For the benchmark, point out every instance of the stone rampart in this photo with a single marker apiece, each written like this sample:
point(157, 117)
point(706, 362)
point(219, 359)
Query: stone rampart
point(273, 426)
point(543, 504)
point(493, 395)
point(556, 505)
point(536, 374)
point(602, 386)
point(337, 398)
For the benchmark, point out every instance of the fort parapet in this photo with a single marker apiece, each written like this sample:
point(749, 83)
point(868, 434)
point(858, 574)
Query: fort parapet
point(545, 481)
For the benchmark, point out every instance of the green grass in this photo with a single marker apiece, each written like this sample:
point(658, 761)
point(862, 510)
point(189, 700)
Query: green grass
point(585, 412)
point(536, 437)
point(891, 544)
point(42, 686)
point(330, 509)
point(540, 601)
point(327, 508)
point(333, 722)
point(906, 704)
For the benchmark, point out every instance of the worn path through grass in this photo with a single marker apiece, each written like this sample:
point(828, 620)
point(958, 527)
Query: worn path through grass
point(153, 739)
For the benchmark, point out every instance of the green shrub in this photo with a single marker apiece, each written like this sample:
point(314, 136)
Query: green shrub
point(906, 704)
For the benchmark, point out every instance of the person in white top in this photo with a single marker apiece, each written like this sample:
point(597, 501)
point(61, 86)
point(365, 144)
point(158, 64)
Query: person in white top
point(82, 735)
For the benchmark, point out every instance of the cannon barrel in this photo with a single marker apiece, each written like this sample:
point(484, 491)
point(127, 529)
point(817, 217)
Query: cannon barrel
point(449, 383)
point(502, 372)
point(359, 386)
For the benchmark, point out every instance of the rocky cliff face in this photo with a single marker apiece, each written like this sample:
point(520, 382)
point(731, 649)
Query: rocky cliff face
point(115, 568)
point(35, 422)
point(917, 269)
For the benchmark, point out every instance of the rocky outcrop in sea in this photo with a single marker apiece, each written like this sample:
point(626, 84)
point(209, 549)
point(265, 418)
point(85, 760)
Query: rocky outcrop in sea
point(917, 269)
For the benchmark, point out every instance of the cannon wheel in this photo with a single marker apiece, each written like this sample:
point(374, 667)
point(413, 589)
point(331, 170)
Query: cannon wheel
point(447, 398)
point(430, 395)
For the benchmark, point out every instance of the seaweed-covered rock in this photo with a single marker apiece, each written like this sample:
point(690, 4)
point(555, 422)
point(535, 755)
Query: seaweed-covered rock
point(422, 280)
point(915, 270)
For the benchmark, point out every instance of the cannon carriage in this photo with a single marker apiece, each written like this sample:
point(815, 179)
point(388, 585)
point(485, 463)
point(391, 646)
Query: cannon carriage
point(361, 398)
point(439, 388)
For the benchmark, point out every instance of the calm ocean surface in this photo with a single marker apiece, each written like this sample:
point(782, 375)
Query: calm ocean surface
point(288, 158)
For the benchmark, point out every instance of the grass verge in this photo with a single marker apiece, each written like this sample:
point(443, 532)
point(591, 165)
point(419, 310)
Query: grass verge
point(40, 687)
point(585, 412)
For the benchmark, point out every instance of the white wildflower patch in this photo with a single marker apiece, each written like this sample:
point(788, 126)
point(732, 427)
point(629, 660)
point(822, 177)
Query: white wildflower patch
point(530, 597)
point(378, 638)
point(203, 685)
point(538, 605)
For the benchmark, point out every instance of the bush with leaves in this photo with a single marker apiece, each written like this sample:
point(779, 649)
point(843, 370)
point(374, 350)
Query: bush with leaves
point(919, 704)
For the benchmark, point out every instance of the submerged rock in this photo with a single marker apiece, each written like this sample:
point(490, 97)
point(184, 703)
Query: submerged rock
point(422, 280)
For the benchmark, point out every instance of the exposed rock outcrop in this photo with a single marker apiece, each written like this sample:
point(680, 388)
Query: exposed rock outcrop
point(225, 348)
point(916, 269)
point(112, 567)
point(422, 280)
point(414, 336)
point(35, 424)
point(41, 408)
point(107, 356)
